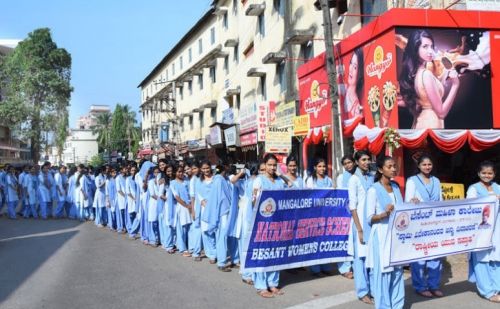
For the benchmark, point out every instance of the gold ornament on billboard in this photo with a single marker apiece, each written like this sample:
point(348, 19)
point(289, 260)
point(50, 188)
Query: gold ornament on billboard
point(389, 98)
point(374, 103)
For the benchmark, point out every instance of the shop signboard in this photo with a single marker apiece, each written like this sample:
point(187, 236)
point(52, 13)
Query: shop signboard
point(232, 136)
point(301, 125)
point(263, 110)
point(284, 115)
point(248, 139)
point(228, 116)
point(483, 5)
point(452, 191)
point(215, 135)
point(248, 117)
point(314, 92)
point(278, 140)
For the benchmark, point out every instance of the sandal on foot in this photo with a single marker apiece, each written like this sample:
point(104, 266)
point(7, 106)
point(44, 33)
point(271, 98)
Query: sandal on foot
point(437, 293)
point(494, 298)
point(247, 281)
point(212, 261)
point(197, 259)
point(426, 294)
point(276, 291)
point(186, 254)
point(367, 300)
point(224, 269)
point(171, 251)
point(348, 275)
point(265, 294)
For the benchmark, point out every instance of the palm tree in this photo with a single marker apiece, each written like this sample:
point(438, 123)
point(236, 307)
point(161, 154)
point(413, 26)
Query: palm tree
point(130, 121)
point(102, 129)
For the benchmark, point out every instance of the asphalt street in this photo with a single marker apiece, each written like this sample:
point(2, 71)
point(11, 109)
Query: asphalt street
point(66, 264)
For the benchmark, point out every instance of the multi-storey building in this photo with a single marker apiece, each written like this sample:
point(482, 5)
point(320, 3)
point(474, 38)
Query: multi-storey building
point(240, 56)
point(86, 122)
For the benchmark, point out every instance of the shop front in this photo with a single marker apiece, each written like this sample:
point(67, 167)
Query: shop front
point(314, 101)
point(424, 81)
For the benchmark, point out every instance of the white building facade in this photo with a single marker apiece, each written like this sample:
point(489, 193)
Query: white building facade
point(80, 147)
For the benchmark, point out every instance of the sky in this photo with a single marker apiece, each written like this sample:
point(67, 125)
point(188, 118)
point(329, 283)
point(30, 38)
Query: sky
point(114, 44)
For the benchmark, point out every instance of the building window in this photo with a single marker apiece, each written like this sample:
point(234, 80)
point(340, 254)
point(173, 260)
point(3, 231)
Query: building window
point(225, 23)
point(190, 55)
point(200, 81)
point(190, 87)
point(236, 56)
point(173, 69)
point(370, 7)
point(263, 90)
point(261, 25)
point(235, 7)
point(181, 93)
point(279, 7)
point(226, 64)
point(202, 119)
point(307, 51)
point(212, 36)
point(213, 114)
point(166, 74)
point(191, 122)
point(280, 71)
point(180, 63)
point(182, 124)
point(212, 74)
point(200, 46)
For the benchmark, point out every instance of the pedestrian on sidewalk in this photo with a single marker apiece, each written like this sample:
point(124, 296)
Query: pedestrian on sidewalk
point(423, 187)
point(484, 266)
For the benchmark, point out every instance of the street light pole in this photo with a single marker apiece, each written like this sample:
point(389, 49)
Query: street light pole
point(332, 81)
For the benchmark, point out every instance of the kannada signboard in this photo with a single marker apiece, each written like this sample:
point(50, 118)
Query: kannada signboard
point(248, 117)
point(452, 191)
point(431, 230)
point(232, 136)
point(301, 125)
point(296, 228)
point(278, 140)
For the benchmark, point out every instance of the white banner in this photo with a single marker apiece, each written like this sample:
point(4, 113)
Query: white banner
point(431, 230)
point(483, 5)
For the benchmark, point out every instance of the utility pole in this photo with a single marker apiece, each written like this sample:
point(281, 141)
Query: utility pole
point(332, 81)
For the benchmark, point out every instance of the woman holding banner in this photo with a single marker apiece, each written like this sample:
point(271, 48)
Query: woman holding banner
point(358, 185)
point(387, 283)
point(294, 181)
point(423, 187)
point(484, 266)
point(267, 283)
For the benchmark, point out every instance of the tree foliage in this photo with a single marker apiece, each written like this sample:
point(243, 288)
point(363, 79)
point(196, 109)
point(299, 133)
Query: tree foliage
point(35, 80)
point(103, 131)
point(125, 135)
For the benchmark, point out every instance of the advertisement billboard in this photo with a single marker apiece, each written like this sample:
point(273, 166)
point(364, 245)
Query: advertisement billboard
point(444, 78)
point(422, 78)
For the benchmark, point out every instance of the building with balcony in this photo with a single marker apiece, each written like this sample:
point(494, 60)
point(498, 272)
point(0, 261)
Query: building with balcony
point(86, 122)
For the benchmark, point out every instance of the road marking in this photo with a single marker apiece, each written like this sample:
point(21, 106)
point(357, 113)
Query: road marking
point(328, 302)
point(39, 234)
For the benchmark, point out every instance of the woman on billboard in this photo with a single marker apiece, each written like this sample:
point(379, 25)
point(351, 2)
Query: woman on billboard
point(352, 104)
point(421, 90)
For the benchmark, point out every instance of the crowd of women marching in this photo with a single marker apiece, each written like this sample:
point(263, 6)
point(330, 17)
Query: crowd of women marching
point(198, 211)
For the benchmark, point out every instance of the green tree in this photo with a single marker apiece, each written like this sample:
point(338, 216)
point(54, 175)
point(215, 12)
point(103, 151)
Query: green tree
point(118, 130)
point(97, 160)
point(132, 134)
point(103, 131)
point(35, 80)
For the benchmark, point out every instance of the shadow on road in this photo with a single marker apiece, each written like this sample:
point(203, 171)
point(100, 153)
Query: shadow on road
point(21, 227)
point(21, 257)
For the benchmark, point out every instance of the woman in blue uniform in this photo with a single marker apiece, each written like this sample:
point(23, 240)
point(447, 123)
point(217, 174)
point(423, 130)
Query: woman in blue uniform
point(202, 194)
point(182, 205)
point(111, 199)
point(484, 266)
point(423, 187)
point(387, 284)
point(358, 186)
point(267, 283)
